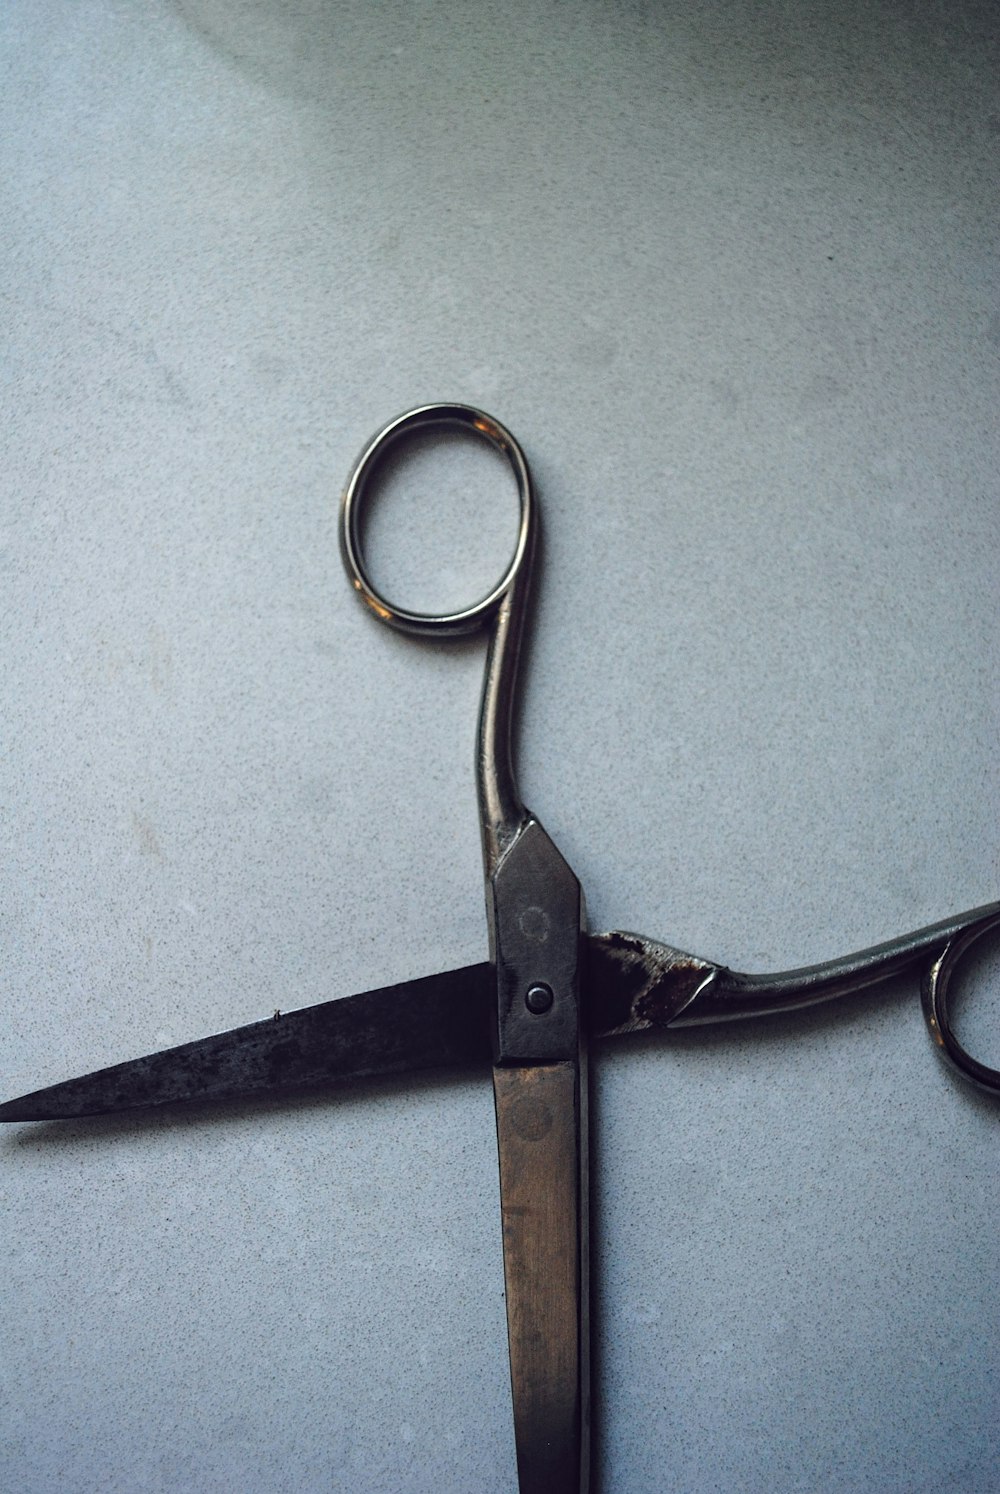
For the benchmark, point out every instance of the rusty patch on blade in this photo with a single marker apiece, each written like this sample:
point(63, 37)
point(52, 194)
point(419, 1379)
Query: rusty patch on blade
point(635, 983)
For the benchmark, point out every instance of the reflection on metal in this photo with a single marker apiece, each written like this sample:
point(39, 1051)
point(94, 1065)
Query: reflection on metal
point(635, 983)
point(935, 991)
point(530, 1011)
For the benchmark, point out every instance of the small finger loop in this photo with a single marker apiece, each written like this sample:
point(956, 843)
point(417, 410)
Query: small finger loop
point(935, 993)
point(426, 417)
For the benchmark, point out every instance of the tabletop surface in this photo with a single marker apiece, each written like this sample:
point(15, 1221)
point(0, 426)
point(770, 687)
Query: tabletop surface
point(729, 274)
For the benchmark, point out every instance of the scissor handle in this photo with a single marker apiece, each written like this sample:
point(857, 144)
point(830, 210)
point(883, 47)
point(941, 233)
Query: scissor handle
point(667, 987)
point(934, 994)
point(502, 812)
point(466, 619)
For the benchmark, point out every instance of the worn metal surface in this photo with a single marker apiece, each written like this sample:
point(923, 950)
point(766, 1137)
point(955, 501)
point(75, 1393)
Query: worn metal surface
point(542, 1135)
point(935, 992)
point(535, 910)
point(634, 983)
point(629, 984)
point(540, 1088)
point(545, 990)
point(439, 1021)
point(534, 914)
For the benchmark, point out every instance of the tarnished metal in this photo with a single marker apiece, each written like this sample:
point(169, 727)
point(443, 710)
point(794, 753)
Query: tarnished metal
point(534, 912)
point(630, 984)
point(542, 1141)
point(935, 992)
point(540, 1089)
point(441, 1021)
point(531, 1010)
point(635, 983)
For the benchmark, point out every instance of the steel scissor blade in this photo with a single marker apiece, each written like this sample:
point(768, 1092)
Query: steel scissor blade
point(436, 1021)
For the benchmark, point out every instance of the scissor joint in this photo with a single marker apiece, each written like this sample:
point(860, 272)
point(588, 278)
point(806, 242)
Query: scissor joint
point(535, 913)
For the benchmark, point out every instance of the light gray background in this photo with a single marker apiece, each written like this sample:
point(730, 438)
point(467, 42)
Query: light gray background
point(728, 271)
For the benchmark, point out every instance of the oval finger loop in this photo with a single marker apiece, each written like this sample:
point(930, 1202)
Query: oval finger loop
point(935, 995)
point(423, 418)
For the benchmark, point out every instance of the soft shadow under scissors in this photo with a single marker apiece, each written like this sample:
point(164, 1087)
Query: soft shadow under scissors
point(549, 987)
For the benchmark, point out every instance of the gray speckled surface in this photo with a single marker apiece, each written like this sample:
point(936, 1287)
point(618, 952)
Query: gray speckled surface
point(729, 273)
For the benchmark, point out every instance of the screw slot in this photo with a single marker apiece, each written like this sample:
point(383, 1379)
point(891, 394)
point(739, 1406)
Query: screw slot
point(538, 998)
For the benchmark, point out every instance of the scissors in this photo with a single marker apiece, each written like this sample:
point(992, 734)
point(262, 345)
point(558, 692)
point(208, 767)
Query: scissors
point(548, 990)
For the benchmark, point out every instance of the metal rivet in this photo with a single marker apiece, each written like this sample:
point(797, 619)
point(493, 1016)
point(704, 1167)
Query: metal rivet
point(538, 998)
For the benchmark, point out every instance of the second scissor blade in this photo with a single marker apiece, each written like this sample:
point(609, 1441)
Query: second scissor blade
point(437, 1021)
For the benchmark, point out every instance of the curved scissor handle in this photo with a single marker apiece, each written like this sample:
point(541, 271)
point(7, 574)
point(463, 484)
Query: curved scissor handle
point(501, 811)
point(639, 983)
point(934, 992)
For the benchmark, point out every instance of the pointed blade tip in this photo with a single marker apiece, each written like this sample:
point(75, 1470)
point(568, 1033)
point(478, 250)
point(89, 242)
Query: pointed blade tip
point(23, 1110)
point(433, 1021)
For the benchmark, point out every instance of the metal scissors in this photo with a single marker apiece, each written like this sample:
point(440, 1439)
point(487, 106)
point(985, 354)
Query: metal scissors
point(548, 989)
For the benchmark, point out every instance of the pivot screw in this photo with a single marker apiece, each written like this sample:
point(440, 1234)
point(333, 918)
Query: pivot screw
point(538, 998)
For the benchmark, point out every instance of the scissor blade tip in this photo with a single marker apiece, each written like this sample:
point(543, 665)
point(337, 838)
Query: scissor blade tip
point(436, 1021)
point(22, 1110)
point(61, 1102)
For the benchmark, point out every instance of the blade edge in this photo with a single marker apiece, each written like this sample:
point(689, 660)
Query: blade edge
point(434, 1021)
